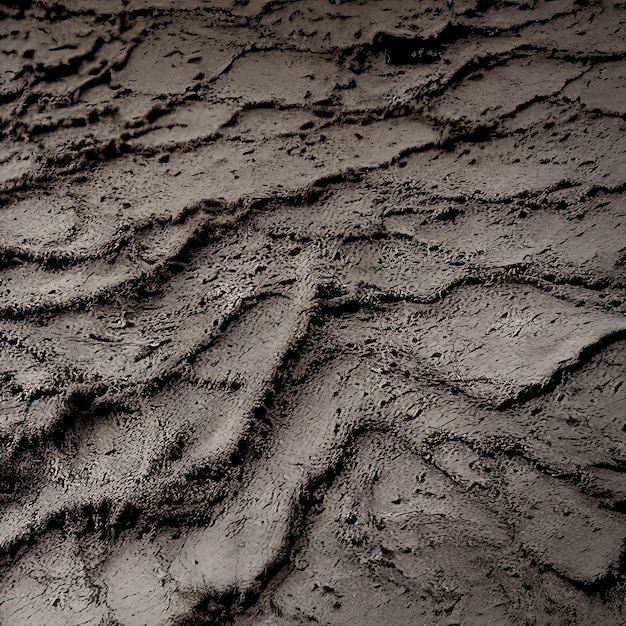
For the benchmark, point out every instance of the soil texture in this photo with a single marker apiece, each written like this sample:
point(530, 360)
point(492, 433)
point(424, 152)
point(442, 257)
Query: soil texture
point(312, 312)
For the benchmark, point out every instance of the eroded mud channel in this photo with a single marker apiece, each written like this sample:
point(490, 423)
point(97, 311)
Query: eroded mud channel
point(312, 312)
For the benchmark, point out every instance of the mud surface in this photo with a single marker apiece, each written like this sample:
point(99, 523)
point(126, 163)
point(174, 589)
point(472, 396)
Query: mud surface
point(312, 312)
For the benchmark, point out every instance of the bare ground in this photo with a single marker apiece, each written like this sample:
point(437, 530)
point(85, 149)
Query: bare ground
point(312, 312)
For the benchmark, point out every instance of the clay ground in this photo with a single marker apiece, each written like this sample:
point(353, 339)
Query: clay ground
point(312, 312)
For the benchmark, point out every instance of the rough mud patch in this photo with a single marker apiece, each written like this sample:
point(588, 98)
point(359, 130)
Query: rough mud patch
point(312, 312)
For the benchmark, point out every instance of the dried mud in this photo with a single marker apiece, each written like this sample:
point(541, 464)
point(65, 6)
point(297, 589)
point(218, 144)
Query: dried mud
point(312, 312)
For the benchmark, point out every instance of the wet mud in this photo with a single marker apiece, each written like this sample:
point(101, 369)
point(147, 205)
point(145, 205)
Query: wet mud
point(312, 312)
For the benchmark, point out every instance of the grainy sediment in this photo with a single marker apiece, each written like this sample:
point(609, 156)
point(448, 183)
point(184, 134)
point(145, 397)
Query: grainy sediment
point(312, 312)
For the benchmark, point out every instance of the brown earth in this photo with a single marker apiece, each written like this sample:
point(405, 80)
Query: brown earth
point(312, 312)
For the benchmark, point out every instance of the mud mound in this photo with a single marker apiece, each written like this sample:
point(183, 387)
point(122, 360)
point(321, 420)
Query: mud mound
point(312, 312)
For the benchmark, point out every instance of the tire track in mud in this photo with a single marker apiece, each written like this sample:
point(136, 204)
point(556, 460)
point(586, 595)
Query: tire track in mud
point(312, 312)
